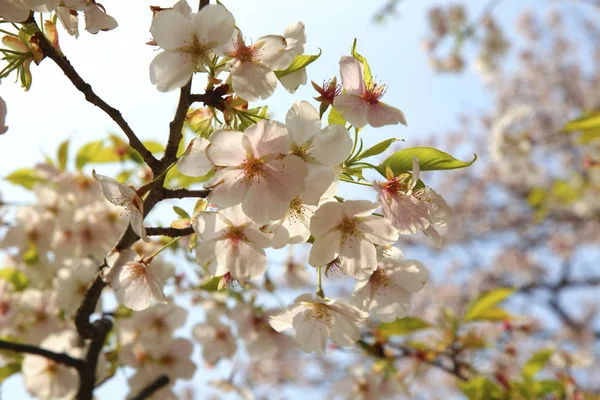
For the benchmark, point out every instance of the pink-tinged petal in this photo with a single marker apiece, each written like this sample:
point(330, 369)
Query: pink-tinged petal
point(270, 51)
point(380, 114)
point(231, 187)
point(229, 48)
point(14, 12)
point(327, 217)
point(283, 320)
point(317, 182)
point(206, 255)
point(304, 124)
point(284, 179)
point(353, 108)
point(406, 213)
point(378, 230)
point(352, 73)
point(172, 30)
point(325, 249)
point(244, 260)
point(266, 138)
point(292, 82)
point(234, 216)
point(359, 208)
point(214, 26)
point(332, 146)
point(258, 204)
point(137, 224)
point(226, 148)
point(195, 162)
point(209, 226)
point(171, 70)
point(252, 81)
point(138, 288)
point(257, 237)
point(410, 275)
point(416, 171)
point(311, 333)
point(358, 257)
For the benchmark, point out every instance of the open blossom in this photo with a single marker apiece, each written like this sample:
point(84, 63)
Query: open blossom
point(133, 280)
point(294, 227)
point(439, 212)
point(386, 293)
point(405, 211)
point(216, 340)
point(48, 379)
point(349, 231)
point(314, 319)
point(187, 42)
point(194, 161)
point(255, 170)
point(321, 149)
point(231, 242)
point(252, 67)
point(360, 104)
point(124, 196)
point(296, 40)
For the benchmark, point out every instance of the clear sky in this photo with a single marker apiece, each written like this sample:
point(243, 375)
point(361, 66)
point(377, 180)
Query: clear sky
point(116, 65)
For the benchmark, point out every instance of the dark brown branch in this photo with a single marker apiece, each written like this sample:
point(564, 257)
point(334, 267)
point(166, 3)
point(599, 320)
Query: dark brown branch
point(85, 88)
point(153, 387)
point(87, 375)
point(176, 126)
point(183, 193)
point(170, 232)
point(60, 358)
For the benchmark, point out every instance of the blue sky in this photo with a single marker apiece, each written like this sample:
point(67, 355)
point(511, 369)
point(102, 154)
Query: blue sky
point(116, 64)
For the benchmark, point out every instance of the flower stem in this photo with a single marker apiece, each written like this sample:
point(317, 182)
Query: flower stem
point(149, 259)
point(145, 188)
point(320, 292)
point(355, 182)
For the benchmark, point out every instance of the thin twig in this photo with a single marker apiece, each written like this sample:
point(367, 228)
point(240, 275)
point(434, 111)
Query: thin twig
point(183, 193)
point(153, 387)
point(61, 358)
point(170, 232)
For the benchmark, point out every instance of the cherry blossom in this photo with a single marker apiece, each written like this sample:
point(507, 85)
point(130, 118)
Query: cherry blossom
point(194, 161)
point(231, 242)
point(216, 340)
point(386, 293)
point(255, 170)
point(252, 67)
point(133, 280)
point(187, 42)
point(124, 196)
point(321, 149)
point(296, 40)
point(360, 104)
point(349, 231)
point(314, 319)
point(294, 227)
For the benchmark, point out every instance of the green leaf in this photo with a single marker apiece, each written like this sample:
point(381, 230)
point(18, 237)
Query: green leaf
point(211, 285)
point(26, 177)
point(63, 155)
point(299, 62)
point(18, 279)
point(536, 363)
point(430, 159)
point(31, 256)
point(335, 118)
point(8, 370)
point(587, 121)
point(403, 326)
point(481, 388)
point(377, 149)
point(181, 212)
point(154, 146)
point(367, 70)
point(546, 387)
point(487, 301)
point(87, 153)
point(493, 314)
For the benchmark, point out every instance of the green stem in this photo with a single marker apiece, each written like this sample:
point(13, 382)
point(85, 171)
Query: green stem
point(145, 188)
point(320, 292)
point(8, 33)
point(149, 259)
point(355, 182)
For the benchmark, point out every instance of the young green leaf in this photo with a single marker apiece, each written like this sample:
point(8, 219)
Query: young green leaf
point(181, 212)
point(487, 301)
point(402, 326)
point(63, 155)
point(299, 62)
point(335, 118)
point(367, 70)
point(377, 149)
point(18, 279)
point(536, 363)
point(26, 177)
point(430, 159)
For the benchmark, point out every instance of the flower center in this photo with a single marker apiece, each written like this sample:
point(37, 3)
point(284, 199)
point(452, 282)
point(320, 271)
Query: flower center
point(374, 93)
point(321, 312)
point(253, 167)
point(196, 50)
point(396, 185)
point(348, 228)
point(299, 151)
point(243, 52)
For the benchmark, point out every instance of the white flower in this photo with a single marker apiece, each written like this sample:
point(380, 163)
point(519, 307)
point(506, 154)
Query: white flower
point(252, 75)
point(231, 242)
point(97, 20)
point(133, 281)
point(187, 42)
point(158, 322)
point(172, 358)
point(405, 211)
point(348, 230)
point(3, 127)
point(321, 149)
point(124, 196)
point(360, 104)
point(8, 307)
point(216, 340)
point(48, 379)
point(255, 170)
point(194, 161)
point(439, 212)
point(386, 293)
point(294, 227)
point(314, 319)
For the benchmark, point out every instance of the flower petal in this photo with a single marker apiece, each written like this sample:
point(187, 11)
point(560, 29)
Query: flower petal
point(195, 162)
point(352, 73)
point(380, 114)
point(172, 30)
point(266, 138)
point(303, 124)
point(171, 70)
point(252, 81)
point(214, 25)
point(353, 108)
point(270, 51)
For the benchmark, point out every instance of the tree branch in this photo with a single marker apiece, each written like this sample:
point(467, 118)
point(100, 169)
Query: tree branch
point(183, 193)
point(153, 387)
point(85, 88)
point(170, 232)
point(61, 358)
point(176, 126)
point(87, 375)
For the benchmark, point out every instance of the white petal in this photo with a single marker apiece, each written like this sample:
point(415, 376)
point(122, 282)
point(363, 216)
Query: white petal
point(266, 138)
point(137, 224)
point(303, 123)
point(311, 333)
point(172, 30)
point(327, 217)
point(325, 249)
point(332, 146)
point(378, 230)
point(226, 148)
point(380, 114)
point(214, 25)
point(359, 208)
point(231, 191)
point(271, 52)
point(295, 37)
point(171, 70)
point(283, 320)
point(244, 260)
point(358, 257)
point(97, 20)
point(292, 81)
point(353, 108)
point(317, 182)
point(194, 162)
point(252, 81)
point(410, 275)
point(352, 73)
point(209, 226)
